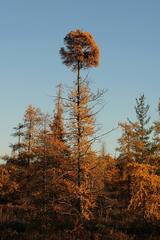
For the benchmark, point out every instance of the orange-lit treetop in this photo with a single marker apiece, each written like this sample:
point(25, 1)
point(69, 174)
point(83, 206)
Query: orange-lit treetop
point(80, 48)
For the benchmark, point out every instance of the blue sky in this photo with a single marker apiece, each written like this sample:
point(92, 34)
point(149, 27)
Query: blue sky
point(31, 34)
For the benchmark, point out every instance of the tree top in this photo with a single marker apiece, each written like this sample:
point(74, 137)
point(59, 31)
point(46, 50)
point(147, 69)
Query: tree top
point(80, 48)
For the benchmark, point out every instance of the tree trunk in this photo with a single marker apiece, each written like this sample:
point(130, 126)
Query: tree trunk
point(79, 135)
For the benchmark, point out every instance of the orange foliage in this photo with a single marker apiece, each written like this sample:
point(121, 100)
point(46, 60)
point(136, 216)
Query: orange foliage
point(145, 191)
point(80, 47)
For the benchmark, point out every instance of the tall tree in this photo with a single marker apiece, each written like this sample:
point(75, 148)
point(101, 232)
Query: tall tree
point(57, 125)
point(42, 138)
point(32, 119)
point(57, 137)
point(80, 52)
point(127, 141)
point(143, 144)
point(18, 147)
point(142, 114)
point(127, 146)
point(135, 142)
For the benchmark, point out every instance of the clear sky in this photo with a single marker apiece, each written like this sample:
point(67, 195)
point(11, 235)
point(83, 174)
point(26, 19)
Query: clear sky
point(31, 34)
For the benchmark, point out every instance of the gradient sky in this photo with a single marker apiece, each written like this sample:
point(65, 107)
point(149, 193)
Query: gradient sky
point(31, 34)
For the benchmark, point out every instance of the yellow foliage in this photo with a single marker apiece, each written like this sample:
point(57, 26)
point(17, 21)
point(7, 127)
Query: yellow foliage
point(145, 191)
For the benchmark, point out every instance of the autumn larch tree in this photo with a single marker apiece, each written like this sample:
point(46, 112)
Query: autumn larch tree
point(32, 119)
point(145, 192)
point(42, 138)
point(80, 52)
point(135, 145)
point(135, 162)
point(57, 135)
point(51, 138)
point(57, 125)
point(127, 144)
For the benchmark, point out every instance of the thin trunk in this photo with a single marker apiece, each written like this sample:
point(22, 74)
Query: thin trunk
point(78, 125)
point(79, 135)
